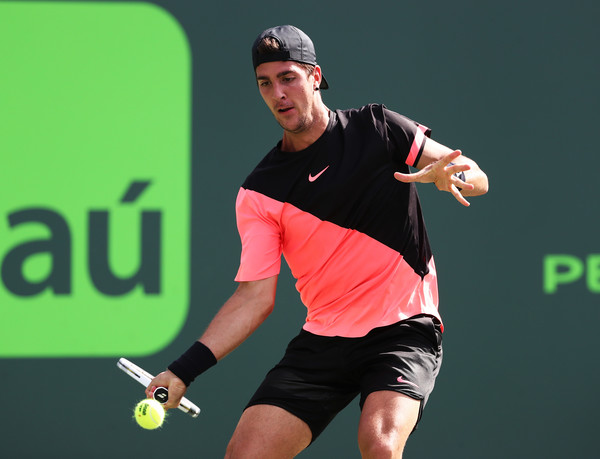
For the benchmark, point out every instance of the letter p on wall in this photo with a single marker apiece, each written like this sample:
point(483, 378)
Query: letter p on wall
point(563, 269)
point(95, 209)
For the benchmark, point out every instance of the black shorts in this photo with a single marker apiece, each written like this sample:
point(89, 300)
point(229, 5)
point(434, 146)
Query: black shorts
point(319, 375)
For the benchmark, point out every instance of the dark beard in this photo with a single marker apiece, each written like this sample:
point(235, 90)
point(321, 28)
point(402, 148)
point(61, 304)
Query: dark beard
point(300, 127)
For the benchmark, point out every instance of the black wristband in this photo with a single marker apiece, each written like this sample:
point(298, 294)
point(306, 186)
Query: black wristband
point(193, 362)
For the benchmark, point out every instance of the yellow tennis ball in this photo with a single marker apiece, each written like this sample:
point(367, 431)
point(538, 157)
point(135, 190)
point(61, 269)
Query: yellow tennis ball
point(149, 414)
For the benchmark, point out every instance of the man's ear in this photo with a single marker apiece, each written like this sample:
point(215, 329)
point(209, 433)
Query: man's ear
point(318, 76)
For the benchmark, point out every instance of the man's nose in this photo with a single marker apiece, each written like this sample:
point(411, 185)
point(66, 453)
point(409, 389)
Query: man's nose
point(278, 91)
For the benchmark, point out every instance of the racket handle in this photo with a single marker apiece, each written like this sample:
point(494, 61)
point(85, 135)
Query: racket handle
point(160, 394)
point(188, 407)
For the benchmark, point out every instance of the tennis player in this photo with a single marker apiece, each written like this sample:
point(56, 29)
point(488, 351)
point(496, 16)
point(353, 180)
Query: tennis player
point(337, 198)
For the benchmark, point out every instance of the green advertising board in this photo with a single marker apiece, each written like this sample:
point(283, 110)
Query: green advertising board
point(95, 141)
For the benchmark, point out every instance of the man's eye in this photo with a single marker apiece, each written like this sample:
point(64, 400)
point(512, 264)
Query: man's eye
point(263, 84)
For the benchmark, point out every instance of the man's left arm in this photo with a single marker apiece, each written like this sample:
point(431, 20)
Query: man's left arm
point(443, 166)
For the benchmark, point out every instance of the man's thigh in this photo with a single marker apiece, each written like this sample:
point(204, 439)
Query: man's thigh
point(386, 422)
point(268, 431)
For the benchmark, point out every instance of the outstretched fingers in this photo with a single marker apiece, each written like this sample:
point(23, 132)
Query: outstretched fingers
point(408, 178)
point(459, 197)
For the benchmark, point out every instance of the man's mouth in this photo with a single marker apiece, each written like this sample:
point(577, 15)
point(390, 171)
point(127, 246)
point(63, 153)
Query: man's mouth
point(284, 109)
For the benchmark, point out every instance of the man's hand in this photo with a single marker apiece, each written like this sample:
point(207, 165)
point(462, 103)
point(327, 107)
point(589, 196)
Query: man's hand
point(174, 385)
point(442, 174)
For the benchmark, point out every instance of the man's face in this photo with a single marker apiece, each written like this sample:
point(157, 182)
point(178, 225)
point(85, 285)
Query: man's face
point(289, 93)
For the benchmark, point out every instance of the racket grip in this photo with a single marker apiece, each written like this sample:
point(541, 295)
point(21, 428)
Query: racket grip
point(161, 395)
point(188, 407)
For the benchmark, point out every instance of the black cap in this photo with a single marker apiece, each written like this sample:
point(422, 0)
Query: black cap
point(294, 44)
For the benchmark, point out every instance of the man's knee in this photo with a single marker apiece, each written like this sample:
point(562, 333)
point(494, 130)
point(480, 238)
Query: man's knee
point(381, 446)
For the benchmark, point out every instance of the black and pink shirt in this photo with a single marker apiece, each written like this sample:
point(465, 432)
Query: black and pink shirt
point(352, 235)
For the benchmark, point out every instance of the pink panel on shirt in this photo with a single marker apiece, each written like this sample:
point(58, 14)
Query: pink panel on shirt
point(349, 282)
point(258, 225)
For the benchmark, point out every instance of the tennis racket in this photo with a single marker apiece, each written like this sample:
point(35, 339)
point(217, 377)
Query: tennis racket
point(161, 394)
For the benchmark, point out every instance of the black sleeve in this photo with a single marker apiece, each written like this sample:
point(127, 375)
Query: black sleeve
point(405, 138)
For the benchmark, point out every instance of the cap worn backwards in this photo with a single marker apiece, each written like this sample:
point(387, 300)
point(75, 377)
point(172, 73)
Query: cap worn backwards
point(294, 45)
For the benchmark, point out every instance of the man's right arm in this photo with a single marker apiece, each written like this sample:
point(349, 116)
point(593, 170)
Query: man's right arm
point(238, 318)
